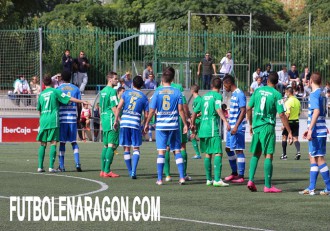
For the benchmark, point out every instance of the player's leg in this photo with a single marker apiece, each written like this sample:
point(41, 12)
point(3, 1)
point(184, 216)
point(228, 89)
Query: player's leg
point(295, 134)
point(53, 138)
point(42, 137)
point(284, 144)
point(175, 145)
point(215, 148)
point(112, 145)
point(125, 140)
point(136, 142)
point(231, 158)
point(195, 143)
point(184, 139)
point(237, 142)
point(162, 138)
point(323, 167)
point(150, 132)
point(61, 155)
point(105, 135)
point(256, 150)
point(72, 138)
point(207, 161)
point(167, 164)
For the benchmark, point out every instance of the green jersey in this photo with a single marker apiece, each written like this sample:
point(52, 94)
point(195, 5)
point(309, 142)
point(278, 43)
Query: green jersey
point(108, 100)
point(49, 105)
point(197, 101)
point(266, 101)
point(209, 125)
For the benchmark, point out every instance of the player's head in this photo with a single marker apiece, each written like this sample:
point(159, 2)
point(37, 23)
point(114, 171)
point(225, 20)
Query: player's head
point(272, 78)
point(228, 81)
point(47, 80)
point(168, 75)
point(138, 82)
point(194, 88)
point(216, 83)
point(289, 90)
point(112, 78)
point(66, 76)
point(120, 91)
point(316, 79)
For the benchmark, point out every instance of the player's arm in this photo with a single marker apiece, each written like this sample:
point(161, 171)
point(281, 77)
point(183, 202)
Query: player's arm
point(308, 133)
point(239, 120)
point(249, 116)
point(146, 114)
point(117, 113)
point(285, 122)
point(147, 121)
point(183, 117)
point(223, 118)
point(72, 99)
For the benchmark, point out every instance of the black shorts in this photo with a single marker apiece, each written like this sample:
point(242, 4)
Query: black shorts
point(294, 125)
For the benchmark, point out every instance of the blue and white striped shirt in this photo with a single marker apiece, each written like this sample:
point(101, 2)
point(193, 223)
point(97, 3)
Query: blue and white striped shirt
point(166, 101)
point(134, 103)
point(237, 101)
point(68, 113)
point(317, 101)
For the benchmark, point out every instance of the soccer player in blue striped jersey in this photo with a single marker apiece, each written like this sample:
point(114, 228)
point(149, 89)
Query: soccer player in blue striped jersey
point(167, 103)
point(235, 143)
point(68, 122)
point(316, 135)
point(132, 104)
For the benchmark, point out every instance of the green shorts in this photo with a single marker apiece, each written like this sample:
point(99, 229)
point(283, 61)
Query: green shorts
point(211, 145)
point(263, 141)
point(48, 135)
point(184, 137)
point(111, 137)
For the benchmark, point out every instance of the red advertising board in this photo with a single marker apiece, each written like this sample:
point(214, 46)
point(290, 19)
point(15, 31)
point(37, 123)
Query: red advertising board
point(19, 129)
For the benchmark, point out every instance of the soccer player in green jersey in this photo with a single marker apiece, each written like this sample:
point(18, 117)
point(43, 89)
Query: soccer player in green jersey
point(266, 102)
point(48, 107)
point(210, 140)
point(197, 100)
point(108, 106)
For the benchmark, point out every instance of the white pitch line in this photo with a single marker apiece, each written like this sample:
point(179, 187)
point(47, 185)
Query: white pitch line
point(105, 187)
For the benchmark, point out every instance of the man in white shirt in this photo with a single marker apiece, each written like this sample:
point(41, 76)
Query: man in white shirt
point(227, 65)
point(256, 84)
point(257, 74)
point(22, 89)
point(283, 79)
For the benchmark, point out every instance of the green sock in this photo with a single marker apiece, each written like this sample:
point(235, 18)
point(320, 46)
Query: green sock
point(104, 151)
point(108, 159)
point(167, 163)
point(208, 169)
point(185, 161)
point(217, 168)
point(52, 156)
point(41, 156)
point(268, 167)
point(253, 167)
point(195, 146)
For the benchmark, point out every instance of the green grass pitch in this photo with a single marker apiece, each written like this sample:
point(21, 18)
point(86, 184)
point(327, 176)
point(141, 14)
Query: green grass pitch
point(193, 206)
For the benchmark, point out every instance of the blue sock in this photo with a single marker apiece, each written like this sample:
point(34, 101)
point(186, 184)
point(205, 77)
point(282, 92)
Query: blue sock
point(135, 160)
point(179, 163)
point(232, 161)
point(75, 149)
point(314, 172)
point(241, 164)
point(127, 158)
point(324, 170)
point(61, 155)
point(150, 133)
point(160, 166)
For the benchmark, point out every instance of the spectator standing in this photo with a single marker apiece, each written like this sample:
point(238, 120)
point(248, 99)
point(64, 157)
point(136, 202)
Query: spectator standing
point(306, 75)
point(128, 82)
point(265, 74)
point(57, 80)
point(208, 68)
point(147, 71)
point(150, 83)
point(293, 74)
point(283, 79)
point(67, 61)
point(35, 86)
point(82, 77)
point(226, 65)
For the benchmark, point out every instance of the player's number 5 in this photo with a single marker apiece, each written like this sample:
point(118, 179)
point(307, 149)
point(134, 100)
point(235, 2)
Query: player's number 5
point(166, 102)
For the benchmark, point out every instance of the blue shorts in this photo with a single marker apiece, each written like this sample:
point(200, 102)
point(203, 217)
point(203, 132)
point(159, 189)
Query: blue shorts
point(317, 146)
point(235, 142)
point(171, 138)
point(130, 137)
point(68, 132)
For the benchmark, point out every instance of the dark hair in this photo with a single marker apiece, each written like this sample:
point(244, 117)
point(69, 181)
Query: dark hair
point(273, 77)
point(223, 106)
point(316, 77)
point(216, 83)
point(229, 78)
point(66, 50)
point(47, 80)
point(168, 75)
point(119, 89)
point(268, 65)
point(138, 82)
point(290, 90)
point(66, 76)
point(293, 65)
point(194, 88)
point(328, 91)
point(111, 74)
point(149, 65)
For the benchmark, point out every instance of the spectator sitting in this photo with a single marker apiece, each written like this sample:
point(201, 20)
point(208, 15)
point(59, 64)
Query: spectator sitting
point(150, 83)
point(283, 79)
point(265, 74)
point(293, 74)
point(257, 74)
point(306, 75)
point(127, 80)
point(256, 84)
point(22, 89)
point(294, 88)
point(35, 86)
point(57, 80)
point(326, 88)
